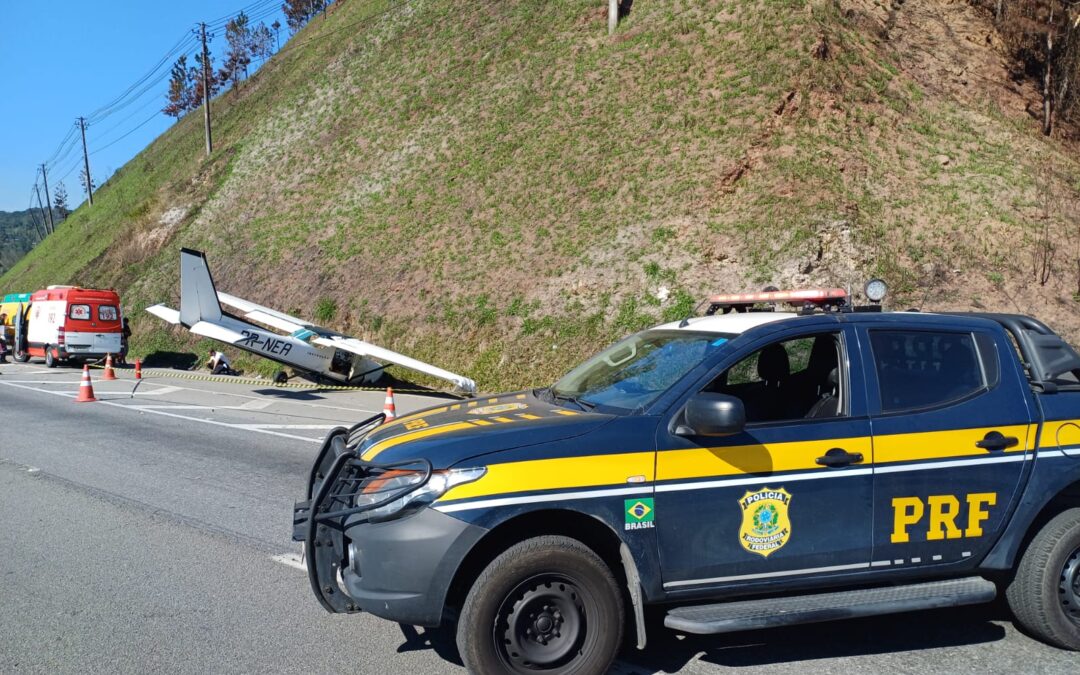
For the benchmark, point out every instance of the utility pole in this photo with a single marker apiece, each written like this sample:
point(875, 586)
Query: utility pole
point(206, 90)
point(42, 209)
point(86, 163)
point(48, 200)
point(38, 227)
point(612, 16)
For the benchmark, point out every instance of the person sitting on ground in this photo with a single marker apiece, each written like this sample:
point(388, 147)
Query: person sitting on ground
point(219, 364)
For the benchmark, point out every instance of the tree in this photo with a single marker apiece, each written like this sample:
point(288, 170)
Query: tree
point(276, 27)
point(262, 42)
point(195, 75)
point(60, 201)
point(87, 184)
point(238, 55)
point(299, 12)
point(181, 93)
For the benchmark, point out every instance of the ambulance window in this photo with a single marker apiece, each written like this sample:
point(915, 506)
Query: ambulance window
point(923, 369)
point(81, 312)
point(107, 313)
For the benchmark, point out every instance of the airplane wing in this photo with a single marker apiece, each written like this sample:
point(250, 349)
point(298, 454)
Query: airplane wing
point(367, 349)
point(264, 315)
point(217, 332)
point(166, 313)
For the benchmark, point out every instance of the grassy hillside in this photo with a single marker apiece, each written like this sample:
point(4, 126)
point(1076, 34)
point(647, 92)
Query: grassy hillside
point(501, 188)
point(19, 231)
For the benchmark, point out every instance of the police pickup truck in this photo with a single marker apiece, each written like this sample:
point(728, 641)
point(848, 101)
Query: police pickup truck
point(737, 470)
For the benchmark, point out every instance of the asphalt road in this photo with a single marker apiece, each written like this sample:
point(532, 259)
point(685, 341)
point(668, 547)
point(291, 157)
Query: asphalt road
point(151, 532)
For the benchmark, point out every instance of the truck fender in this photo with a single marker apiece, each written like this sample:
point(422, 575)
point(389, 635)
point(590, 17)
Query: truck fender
point(633, 584)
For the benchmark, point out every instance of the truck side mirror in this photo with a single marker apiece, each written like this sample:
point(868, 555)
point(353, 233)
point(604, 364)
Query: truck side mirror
point(711, 414)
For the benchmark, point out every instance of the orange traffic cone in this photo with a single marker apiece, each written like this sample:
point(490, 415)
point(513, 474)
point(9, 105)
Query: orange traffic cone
point(108, 374)
point(389, 411)
point(86, 388)
point(138, 369)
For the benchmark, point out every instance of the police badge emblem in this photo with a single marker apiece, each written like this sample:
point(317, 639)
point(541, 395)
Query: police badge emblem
point(765, 523)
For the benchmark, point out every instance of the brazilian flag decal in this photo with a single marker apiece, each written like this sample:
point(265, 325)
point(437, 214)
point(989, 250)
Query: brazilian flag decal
point(640, 513)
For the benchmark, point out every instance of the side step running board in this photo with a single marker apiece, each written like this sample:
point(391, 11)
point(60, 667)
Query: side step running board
point(727, 617)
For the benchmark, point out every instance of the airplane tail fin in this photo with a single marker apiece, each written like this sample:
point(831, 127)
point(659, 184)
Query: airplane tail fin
point(198, 297)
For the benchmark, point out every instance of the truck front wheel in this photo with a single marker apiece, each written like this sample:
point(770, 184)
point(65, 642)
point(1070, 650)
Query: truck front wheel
point(1045, 595)
point(546, 605)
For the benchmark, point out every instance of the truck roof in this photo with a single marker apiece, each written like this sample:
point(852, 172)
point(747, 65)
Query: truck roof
point(734, 323)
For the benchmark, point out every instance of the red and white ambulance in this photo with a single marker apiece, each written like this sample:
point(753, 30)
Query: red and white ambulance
point(68, 323)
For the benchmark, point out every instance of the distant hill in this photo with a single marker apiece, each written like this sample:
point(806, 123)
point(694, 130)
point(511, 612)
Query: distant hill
point(501, 188)
point(18, 234)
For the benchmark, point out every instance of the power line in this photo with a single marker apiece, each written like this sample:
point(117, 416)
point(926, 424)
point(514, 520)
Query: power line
point(120, 138)
point(181, 45)
point(104, 134)
point(253, 7)
point(148, 87)
point(69, 136)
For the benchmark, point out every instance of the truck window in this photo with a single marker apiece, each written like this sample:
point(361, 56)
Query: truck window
point(794, 379)
point(924, 369)
point(106, 313)
point(81, 312)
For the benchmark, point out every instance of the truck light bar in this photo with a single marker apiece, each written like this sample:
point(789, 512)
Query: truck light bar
point(807, 299)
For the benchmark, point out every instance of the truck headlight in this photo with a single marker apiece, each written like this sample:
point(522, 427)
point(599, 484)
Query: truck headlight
point(404, 482)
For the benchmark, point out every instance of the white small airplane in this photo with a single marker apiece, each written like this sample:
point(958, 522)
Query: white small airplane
point(316, 351)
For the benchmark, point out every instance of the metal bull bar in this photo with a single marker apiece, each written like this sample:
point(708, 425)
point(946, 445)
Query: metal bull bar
point(337, 476)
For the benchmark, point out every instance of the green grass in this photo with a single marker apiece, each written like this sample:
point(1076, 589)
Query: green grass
point(500, 188)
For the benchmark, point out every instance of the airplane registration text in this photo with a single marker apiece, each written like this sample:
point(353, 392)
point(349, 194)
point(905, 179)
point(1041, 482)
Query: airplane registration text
point(265, 343)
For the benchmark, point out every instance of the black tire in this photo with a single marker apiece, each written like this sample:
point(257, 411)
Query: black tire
point(20, 356)
point(1045, 594)
point(546, 605)
point(50, 357)
point(281, 377)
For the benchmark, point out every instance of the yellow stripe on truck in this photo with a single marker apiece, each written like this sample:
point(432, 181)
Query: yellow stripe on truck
point(558, 473)
point(942, 444)
point(754, 459)
point(373, 452)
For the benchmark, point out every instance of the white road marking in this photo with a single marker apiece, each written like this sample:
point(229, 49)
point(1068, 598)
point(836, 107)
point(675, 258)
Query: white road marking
point(257, 404)
point(167, 414)
point(290, 559)
point(289, 426)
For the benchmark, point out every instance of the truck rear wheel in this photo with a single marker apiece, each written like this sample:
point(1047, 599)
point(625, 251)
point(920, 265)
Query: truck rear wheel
point(547, 605)
point(20, 356)
point(1045, 595)
point(50, 357)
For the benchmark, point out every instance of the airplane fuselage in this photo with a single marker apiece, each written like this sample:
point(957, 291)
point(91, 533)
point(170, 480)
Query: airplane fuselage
point(334, 364)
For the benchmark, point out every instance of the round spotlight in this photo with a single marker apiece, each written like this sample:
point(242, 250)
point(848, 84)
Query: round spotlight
point(875, 290)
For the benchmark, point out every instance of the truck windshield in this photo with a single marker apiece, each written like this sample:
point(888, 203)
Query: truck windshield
point(634, 372)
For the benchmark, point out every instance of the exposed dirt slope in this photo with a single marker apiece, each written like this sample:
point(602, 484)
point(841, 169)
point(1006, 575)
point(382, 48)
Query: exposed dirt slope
point(501, 188)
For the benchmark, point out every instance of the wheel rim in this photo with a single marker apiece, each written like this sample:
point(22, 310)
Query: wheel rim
point(1069, 588)
point(542, 624)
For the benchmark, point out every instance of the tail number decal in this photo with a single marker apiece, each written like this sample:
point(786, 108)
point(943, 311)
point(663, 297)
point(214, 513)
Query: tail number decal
point(266, 343)
point(940, 514)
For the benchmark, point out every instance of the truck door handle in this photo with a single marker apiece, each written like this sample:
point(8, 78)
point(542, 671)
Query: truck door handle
point(994, 441)
point(839, 457)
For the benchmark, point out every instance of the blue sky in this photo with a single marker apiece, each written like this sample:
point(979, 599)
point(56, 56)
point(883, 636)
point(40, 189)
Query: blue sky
point(65, 58)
